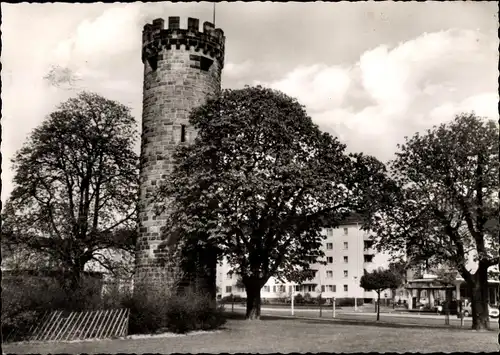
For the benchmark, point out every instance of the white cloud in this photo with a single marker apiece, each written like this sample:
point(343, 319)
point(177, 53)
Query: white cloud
point(236, 70)
point(420, 66)
point(115, 32)
point(484, 105)
point(318, 87)
point(91, 52)
point(419, 83)
point(385, 77)
point(370, 100)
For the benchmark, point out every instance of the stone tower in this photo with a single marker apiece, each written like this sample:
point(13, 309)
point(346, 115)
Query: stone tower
point(182, 67)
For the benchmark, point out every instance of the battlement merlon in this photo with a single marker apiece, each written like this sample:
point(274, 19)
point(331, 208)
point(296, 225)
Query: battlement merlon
point(210, 41)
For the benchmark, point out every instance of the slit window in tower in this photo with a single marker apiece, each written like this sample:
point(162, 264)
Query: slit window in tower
point(205, 63)
point(183, 133)
point(200, 62)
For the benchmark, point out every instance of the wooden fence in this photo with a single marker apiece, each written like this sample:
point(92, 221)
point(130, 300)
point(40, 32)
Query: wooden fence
point(65, 326)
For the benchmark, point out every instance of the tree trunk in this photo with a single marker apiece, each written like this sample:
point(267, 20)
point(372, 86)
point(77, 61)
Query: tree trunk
point(73, 280)
point(448, 294)
point(378, 305)
point(479, 299)
point(207, 272)
point(253, 299)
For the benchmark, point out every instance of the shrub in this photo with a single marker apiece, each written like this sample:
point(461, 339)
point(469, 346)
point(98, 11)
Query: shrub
point(27, 298)
point(348, 302)
point(233, 298)
point(115, 296)
point(320, 300)
point(160, 310)
point(299, 299)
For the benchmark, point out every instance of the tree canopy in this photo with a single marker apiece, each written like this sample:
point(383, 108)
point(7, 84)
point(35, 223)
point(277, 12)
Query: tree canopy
point(379, 280)
point(259, 182)
point(75, 185)
point(443, 204)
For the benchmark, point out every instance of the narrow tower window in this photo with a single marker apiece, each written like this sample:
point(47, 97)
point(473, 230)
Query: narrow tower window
point(183, 133)
point(200, 62)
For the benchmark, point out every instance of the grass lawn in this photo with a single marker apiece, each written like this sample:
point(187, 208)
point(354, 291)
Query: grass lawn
point(272, 334)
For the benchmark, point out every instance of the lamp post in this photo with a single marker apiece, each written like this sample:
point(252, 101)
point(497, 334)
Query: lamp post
point(357, 265)
point(355, 298)
point(320, 295)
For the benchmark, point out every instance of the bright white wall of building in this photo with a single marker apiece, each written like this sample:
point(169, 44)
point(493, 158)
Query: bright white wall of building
point(346, 257)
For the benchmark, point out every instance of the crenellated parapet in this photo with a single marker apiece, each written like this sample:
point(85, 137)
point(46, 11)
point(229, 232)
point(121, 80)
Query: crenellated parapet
point(155, 38)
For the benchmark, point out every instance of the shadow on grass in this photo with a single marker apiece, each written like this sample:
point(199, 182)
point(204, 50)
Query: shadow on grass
point(382, 324)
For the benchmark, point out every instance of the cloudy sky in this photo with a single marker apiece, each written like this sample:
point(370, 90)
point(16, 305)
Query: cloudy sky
point(369, 73)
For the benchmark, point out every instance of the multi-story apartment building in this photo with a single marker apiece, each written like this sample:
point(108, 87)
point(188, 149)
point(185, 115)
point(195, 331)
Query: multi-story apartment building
point(348, 252)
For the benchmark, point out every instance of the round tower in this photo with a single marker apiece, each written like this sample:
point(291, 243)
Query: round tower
point(182, 67)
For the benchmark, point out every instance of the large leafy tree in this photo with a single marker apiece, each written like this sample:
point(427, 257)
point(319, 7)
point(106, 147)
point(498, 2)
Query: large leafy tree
point(445, 207)
point(258, 184)
point(379, 280)
point(75, 190)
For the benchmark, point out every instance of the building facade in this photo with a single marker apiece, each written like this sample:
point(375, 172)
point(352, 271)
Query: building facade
point(348, 252)
point(428, 291)
point(182, 67)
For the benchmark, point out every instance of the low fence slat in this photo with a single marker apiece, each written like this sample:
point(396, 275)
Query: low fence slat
point(75, 323)
point(72, 325)
point(103, 324)
point(39, 322)
point(124, 331)
point(106, 327)
point(60, 326)
point(60, 322)
point(83, 325)
point(91, 327)
point(49, 328)
point(99, 324)
point(65, 325)
point(74, 335)
point(96, 325)
point(116, 323)
point(108, 324)
point(45, 325)
point(39, 325)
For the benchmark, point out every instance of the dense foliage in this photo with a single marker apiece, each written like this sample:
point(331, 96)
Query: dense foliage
point(380, 280)
point(259, 183)
point(75, 192)
point(443, 207)
point(160, 310)
point(27, 298)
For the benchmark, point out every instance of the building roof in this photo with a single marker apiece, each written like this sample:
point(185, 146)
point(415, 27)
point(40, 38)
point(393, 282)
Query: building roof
point(352, 218)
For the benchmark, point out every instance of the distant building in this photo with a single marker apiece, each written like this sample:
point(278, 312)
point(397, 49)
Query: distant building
point(22, 263)
point(425, 289)
point(348, 252)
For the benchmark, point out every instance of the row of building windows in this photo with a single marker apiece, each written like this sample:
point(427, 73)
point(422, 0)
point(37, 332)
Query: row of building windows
point(329, 231)
point(329, 274)
point(329, 246)
point(298, 288)
point(329, 259)
point(367, 258)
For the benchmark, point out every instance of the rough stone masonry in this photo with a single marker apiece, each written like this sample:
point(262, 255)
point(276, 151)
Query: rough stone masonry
point(182, 67)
